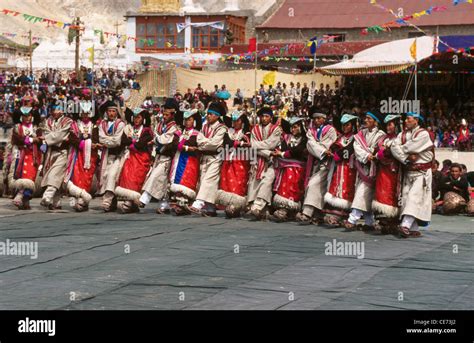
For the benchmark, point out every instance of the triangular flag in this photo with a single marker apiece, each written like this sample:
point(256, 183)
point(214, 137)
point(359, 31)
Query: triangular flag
point(269, 78)
point(92, 52)
point(413, 50)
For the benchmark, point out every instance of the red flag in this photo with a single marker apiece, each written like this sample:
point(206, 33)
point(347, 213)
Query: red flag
point(252, 45)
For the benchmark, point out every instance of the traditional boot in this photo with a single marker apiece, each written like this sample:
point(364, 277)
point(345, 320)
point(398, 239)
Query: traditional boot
point(128, 207)
point(163, 207)
point(349, 226)
point(232, 212)
point(209, 210)
point(18, 200)
point(280, 216)
point(303, 219)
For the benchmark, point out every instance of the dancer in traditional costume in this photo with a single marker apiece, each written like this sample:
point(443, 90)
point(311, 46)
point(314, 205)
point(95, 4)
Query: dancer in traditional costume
point(365, 146)
point(83, 158)
point(27, 156)
point(236, 166)
point(210, 142)
point(289, 165)
point(388, 179)
point(56, 144)
point(415, 150)
point(343, 174)
point(136, 139)
point(265, 138)
point(110, 140)
point(184, 175)
point(157, 184)
point(320, 138)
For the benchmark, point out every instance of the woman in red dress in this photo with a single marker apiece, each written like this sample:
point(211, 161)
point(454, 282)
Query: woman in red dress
point(26, 155)
point(83, 158)
point(388, 180)
point(235, 170)
point(136, 138)
point(343, 174)
point(290, 166)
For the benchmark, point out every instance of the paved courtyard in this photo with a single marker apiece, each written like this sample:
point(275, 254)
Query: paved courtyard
point(145, 261)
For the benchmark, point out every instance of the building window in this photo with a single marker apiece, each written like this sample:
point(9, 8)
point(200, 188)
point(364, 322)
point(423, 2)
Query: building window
point(207, 38)
point(339, 37)
point(156, 34)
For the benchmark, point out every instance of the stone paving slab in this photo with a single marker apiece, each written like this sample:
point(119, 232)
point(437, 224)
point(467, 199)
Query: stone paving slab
point(145, 261)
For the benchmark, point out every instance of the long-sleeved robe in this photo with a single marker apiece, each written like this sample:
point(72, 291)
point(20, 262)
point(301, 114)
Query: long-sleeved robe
point(366, 169)
point(264, 140)
point(319, 141)
point(290, 173)
point(26, 156)
point(210, 141)
point(137, 161)
point(55, 133)
point(158, 179)
point(416, 190)
point(110, 135)
point(82, 161)
point(235, 172)
point(387, 183)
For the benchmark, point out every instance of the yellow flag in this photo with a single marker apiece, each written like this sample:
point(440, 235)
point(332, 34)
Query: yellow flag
point(269, 78)
point(91, 56)
point(413, 50)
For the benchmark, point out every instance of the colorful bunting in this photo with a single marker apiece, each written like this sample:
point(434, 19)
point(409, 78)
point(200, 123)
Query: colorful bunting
point(399, 21)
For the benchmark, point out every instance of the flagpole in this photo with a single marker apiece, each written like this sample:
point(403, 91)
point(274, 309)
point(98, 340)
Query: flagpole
point(256, 65)
point(93, 78)
point(416, 81)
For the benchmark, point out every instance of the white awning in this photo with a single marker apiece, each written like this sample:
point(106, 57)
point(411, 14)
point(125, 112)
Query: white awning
point(385, 57)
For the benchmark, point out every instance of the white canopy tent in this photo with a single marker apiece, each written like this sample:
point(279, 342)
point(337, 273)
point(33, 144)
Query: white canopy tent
point(385, 57)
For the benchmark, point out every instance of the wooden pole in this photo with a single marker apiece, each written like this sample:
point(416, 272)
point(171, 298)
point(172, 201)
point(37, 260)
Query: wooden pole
point(31, 52)
point(78, 45)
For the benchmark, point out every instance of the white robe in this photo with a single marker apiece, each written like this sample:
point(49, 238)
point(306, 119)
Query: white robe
point(416, 191)
point(54, 169)
point(111, 164)
point(263, 188)
point(210, 166)
point(318, 183)
point(157, 183)
point(364, 194)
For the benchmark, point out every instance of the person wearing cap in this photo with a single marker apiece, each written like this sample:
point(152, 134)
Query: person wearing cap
point(27, 156)
point(110, 139)
point(265, 138)
point(184, 173)
point(365, 145)
point(388, 179)
point(342, 173)
point(56, 144)
point(233, 184)
point(320, 138)
point(157, 183)
point(136, 140)
point(210, 141)
point(83, 158)
point(289, 165)
point(415, 150)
